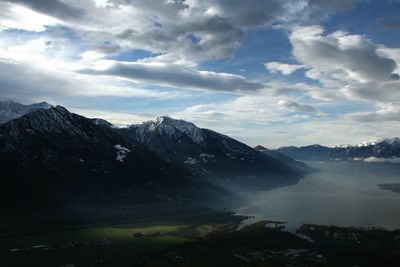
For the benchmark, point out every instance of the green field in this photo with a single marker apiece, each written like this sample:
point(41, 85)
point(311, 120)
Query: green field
point(106, 239)
point(80, 247)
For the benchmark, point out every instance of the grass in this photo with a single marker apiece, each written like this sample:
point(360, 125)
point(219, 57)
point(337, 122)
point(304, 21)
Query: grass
point(124, 244)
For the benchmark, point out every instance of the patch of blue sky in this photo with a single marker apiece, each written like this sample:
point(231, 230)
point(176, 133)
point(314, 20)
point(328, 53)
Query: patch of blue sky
point(368, 18)
point(162, 102)
point(132, 55)
point(19, 36)
point(345, 107)
point(258, 46)
point(193, 38)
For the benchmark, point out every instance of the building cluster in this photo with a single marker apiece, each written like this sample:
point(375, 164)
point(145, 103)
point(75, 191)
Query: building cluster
point(293, 257)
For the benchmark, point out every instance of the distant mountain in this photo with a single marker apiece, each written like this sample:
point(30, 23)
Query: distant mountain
point(294, 164)
point(311, 152)
point(205, 152)
point(10, 110)
point(380, 151)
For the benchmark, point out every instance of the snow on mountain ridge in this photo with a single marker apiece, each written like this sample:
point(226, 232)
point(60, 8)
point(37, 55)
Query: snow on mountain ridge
point(371, 142)
point(10, 110)
point(169, 126)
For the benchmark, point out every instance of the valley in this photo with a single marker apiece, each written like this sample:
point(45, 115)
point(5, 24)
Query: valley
point(81, 192)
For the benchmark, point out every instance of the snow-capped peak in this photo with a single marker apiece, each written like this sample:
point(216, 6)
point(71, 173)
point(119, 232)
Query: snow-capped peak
point(343, 146)
point(371, 142)
point(169, 126)
point(10, 110)
point(101, 122)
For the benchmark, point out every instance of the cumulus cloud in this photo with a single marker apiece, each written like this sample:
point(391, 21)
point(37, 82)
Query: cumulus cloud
point(285, 69)
point(339, 56)
point(346, 65)
point(175, 75)
point(197, 29)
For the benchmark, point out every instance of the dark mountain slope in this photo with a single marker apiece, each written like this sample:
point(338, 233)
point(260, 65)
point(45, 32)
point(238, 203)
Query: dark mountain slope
point(291, 163)
point(52, 154)
point(311, 152)
point(205, 152)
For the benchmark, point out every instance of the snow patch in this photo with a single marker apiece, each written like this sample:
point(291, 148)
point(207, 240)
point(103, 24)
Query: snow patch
point(371, 142)
point(10, 110)
point(206, 157)
point(191, 161)
point(121, 152)
point(343, 146)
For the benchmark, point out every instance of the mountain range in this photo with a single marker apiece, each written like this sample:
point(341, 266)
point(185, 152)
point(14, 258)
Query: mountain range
point(50, 156)
point(379, 151)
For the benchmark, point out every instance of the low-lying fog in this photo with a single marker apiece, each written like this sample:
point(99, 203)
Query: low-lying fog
point(342, 193)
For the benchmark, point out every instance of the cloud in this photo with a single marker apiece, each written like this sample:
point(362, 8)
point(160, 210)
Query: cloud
point(296, 107)
point(346, 66)
point(339, 56)
point(256, 110)
point(198, 30)
point(375, 91)
point(19, 17)
point(386, 112)
point(285, 69)
point(259, 120)
point(120, 119)
point(33, 84)
point(391, 160)
point(175, 75)
point(250, 13)
point(53, 8)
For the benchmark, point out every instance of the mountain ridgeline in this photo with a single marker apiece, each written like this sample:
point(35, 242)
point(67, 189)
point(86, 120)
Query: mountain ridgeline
point(204, 152)
point(382, 151)
point(50, 156)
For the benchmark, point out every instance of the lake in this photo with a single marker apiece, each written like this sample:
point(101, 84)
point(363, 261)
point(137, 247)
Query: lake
point(342, 193)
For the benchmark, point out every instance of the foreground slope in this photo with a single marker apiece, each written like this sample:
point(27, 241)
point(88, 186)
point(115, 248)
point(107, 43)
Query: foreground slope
point(52, 154)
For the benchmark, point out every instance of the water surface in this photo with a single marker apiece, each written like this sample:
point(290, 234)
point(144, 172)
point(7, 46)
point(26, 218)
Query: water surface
point(342, 193)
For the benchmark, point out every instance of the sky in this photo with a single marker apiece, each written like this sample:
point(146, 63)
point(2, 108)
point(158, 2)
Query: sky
point(267, 72)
